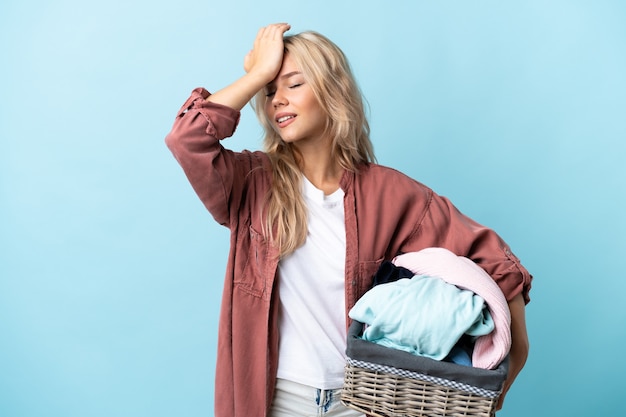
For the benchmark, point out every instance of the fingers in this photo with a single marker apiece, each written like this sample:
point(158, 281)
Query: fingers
point(272, 32)
point(267, 52)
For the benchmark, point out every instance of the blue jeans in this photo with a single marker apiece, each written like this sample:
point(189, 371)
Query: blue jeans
point(296, 400)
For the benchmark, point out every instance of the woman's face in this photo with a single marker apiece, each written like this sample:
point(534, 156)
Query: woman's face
point(292, 108)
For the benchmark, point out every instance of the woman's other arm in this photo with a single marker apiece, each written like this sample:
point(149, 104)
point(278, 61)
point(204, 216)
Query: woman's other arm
point(519, 343)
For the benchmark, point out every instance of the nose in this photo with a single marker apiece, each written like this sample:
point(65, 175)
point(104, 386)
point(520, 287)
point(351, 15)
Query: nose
point(279, 98)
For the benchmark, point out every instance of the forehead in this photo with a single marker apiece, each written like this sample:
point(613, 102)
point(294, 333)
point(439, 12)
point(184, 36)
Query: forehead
point(288, 69)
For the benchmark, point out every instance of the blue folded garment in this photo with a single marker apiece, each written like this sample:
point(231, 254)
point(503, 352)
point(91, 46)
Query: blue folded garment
point(422, 315)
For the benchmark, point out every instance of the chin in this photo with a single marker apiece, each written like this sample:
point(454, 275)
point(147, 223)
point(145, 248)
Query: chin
point(289, 139)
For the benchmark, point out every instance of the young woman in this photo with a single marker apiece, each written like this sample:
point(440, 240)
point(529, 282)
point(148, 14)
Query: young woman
point(311, 220)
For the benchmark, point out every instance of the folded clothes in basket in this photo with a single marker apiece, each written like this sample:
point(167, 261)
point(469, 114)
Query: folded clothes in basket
point(425, 316)
point(490, 349)
point(422, 315)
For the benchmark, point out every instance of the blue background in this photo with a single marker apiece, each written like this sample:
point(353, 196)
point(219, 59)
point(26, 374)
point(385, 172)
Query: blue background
point(111, 269)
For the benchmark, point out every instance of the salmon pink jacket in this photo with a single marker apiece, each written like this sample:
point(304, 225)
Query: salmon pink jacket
point(386, 214)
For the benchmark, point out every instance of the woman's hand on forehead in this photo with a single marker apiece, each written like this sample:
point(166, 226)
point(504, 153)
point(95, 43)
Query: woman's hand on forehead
point(266, 56)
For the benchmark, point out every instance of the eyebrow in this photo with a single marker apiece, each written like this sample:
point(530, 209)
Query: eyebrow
point(290, 74)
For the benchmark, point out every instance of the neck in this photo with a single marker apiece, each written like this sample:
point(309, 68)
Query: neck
point(320, 169)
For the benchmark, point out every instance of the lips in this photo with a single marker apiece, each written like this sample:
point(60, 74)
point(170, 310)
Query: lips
point(284, 119)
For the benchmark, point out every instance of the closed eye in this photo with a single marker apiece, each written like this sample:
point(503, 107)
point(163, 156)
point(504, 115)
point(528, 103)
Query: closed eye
point(272, 93)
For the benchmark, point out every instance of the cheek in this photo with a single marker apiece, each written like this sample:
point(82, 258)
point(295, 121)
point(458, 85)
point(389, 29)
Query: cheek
point(314, 108)
point(268, 116)
point(267, 107)
point(319, 115)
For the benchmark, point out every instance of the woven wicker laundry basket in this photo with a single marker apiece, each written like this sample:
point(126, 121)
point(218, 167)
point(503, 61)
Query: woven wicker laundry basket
point(384, 382)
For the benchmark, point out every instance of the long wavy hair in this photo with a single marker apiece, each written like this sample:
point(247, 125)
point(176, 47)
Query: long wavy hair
point(326, 69)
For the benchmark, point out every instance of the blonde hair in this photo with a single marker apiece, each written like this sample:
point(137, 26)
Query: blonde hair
point(326, 69)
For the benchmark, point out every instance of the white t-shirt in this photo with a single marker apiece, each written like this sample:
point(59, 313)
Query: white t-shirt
point(312, 297)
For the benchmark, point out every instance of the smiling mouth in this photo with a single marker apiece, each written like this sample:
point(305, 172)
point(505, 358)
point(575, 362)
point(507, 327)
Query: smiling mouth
point(284, 119)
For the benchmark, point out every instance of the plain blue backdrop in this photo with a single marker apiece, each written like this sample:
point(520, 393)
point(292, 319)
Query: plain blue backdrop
point(111, 269)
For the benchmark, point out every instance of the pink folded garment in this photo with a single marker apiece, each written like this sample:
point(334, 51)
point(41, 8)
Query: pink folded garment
point(491, 349)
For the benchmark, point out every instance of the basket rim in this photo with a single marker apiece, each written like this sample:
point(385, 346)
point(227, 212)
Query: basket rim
point(402, 373)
